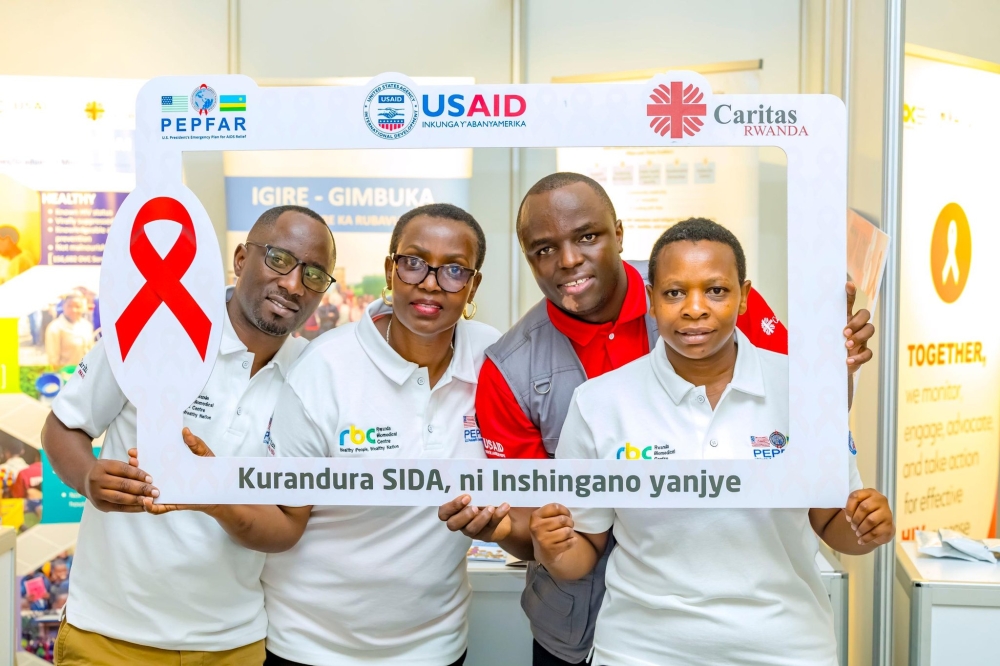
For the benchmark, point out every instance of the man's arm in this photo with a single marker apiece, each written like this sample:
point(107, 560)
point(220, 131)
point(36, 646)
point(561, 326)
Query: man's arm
point(110, 485)
point(268, 529)
point(507, 433)
point(864, 525)
point(264, 528)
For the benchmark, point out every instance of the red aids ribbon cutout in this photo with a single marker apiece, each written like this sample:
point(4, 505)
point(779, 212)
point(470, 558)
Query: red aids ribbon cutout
point(163, 278)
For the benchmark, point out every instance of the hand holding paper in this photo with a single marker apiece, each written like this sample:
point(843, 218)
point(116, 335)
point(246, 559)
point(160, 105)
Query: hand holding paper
point(483, 523)
point(858, 332)
point(198, 447)
point(112, 485)
point(870, 517)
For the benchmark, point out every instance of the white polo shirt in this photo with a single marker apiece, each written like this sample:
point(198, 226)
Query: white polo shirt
point(176, 581)
point(692, 586)
point(367, 585)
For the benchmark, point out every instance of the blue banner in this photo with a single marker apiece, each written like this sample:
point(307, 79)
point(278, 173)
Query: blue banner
point(60, 503)
point(347, 204)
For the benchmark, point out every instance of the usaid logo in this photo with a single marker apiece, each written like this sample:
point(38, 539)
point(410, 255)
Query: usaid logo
point(391, 110)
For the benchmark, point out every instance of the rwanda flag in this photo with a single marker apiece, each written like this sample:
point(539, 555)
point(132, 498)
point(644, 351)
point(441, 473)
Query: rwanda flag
point(232, 103)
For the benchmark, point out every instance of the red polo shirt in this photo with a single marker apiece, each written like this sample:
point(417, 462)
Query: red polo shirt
point(506, 430)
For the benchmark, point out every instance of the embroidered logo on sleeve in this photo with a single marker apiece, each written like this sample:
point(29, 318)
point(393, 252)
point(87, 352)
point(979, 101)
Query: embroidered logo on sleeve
point(82, 369)
point(493, 449)
point(268, 442)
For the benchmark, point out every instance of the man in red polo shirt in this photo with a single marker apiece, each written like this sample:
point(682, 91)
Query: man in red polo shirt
point(572, 239)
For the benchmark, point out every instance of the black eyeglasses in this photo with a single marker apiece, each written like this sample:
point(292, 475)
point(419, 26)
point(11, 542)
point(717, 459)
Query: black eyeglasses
point(284, 262)
point(450, 277)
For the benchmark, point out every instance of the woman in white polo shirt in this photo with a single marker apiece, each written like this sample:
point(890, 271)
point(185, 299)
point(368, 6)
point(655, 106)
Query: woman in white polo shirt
point(693, 586)
point(386, 585)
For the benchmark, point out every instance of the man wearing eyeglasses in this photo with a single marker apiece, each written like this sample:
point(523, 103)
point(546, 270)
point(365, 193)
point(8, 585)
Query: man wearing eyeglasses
point(176, 589)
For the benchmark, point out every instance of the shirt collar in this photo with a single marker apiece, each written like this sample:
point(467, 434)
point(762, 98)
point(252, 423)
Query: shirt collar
point(398, 369)
point(583, 333)
point(748, 377)
point(231, 344)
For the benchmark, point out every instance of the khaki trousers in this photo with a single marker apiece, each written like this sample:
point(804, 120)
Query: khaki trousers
point(76, 647)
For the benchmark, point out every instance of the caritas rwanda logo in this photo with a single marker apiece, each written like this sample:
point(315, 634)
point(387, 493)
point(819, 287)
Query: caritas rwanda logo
point(676, 110)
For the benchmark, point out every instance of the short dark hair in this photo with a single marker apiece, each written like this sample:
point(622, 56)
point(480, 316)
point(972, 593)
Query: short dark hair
point(268, 218)
point(698, 229)
point(271, 215)
point(445, 211)
point(560, 179)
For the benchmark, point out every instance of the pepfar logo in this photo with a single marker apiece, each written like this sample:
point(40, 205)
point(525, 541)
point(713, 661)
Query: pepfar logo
point(391, 110)
point(630, 452)
point(203, 101)
point(470, 428)
point(677, 110)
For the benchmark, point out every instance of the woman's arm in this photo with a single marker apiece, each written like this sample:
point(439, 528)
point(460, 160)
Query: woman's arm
point(564, 552)
point(864, 525)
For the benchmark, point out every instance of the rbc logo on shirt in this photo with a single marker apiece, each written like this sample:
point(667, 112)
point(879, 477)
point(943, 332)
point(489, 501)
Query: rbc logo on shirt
point(358, 436)
point(630, 452)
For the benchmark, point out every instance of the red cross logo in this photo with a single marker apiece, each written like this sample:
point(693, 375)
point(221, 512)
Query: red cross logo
point(674, 110)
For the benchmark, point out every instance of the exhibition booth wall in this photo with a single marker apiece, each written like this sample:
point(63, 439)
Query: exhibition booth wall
point(832, 46)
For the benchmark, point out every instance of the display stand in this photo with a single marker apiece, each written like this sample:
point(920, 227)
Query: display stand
point(954, 608)
point(499, 633)
point(837, 585)
point(10, 618)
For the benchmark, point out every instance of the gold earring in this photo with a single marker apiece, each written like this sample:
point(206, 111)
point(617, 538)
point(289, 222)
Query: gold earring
point(475, 308)
point(387, 301)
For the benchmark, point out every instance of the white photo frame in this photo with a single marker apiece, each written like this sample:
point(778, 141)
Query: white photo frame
point(674, 109)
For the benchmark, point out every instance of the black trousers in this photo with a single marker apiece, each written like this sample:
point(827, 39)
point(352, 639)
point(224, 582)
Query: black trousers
point(274, 660)
point(542, 657)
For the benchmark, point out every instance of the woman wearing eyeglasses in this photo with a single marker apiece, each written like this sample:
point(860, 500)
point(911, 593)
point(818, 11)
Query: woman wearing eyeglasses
point(386, 585)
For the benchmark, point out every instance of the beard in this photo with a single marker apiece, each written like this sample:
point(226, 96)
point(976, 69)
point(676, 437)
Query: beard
point(270, 327)
point(275, 328)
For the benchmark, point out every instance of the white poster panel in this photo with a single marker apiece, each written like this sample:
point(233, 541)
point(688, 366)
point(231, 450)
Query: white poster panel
point(392, 111)
point(68, 133)
point(654, 187)
point(949, 386)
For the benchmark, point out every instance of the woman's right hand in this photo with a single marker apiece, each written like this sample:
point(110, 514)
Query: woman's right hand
point(552, 533)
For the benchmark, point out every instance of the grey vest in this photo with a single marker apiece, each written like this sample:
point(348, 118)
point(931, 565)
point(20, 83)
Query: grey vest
point(543, 370)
